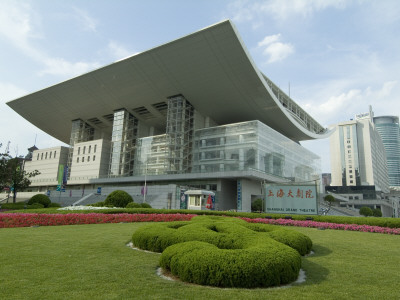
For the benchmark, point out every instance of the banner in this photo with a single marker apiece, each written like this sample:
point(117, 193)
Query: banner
point(183, 199)
point(239, 195)
point(60, 174)
point(293, 199)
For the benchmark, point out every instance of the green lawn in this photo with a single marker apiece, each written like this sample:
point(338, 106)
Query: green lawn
point(93, 262)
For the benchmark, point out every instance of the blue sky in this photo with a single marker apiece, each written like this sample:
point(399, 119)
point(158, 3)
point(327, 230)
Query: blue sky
point(339, 56)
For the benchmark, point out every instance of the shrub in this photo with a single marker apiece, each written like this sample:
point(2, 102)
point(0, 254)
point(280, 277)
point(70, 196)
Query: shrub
point(225, 252)
point(15, 206)
point(376, 212)
point(145, 205)
point(53, 204)
point(118, 198)
point(40, 198)
point(329, 199)
point(35, 205)
point(257, 205)
point(366, 211)
point(133, 205)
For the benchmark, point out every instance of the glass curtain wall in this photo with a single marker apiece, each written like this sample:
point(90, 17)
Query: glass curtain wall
point(179, 134)
point(151, 155)
point(123, 144)
point(389, 130)
point(252, 145)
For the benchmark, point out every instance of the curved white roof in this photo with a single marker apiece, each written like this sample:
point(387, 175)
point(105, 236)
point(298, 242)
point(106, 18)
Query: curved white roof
point(211, 68)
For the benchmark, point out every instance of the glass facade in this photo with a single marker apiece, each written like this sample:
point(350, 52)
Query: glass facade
point(389, 130)
point(151, 155)
point(123, 144)
point(235, 147)
point(252, 145)
point(179, 134)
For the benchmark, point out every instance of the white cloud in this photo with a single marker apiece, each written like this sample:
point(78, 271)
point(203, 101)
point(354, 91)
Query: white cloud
point(274, 49)
point(88, 23)
point(59, 66)
point(344, 105)
point(269, 39)
point(15, 128)
point(118, 51)
point(257, 11)
point(17, 25)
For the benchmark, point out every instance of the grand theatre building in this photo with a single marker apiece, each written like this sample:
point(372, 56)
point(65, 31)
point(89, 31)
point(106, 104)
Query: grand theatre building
point(193, 114)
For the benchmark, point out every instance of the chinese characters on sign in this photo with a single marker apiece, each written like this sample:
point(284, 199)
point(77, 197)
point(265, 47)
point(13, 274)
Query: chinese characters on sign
point(291, 199)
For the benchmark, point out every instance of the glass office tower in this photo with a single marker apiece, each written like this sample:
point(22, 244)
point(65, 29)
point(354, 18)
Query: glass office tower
point(388, 128)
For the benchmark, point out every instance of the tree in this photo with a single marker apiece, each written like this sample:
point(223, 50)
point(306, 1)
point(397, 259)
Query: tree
point(4, 157)
point(19, 179)
point(257, 205)
point(329, 199)
point(12, 174)
point(366, 211)
point(118, 198)
point(376, 212)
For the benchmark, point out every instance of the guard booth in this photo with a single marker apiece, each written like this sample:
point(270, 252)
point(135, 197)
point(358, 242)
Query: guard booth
point(200, 199)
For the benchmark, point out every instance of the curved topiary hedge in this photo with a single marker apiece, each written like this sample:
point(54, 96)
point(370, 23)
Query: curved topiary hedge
point(226, 252)
point(133, 205)
point(40, 198)
point(118, 198)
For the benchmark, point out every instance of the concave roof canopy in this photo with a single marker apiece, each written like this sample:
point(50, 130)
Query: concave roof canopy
point(210, 67)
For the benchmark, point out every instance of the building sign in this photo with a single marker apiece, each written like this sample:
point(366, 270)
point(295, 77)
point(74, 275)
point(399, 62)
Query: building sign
point(239, 195)
point(294, 199)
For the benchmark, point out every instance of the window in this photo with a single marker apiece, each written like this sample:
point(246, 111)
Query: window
point(45, 157)
point(83, 159)
point(351, 181)
point(194, 201)
point(94, 156)
point(90, 148)
point(41, 157)
point(77, 159)
point(348, 141)
point(348, 151)
point(79, 150)
point(55, 154)
point(94, 150)
point(84, 149)
point(88, 158)
point(37, 157)
point(50, 154)
point(351, 176)
point(348, 146)
point(350, 171)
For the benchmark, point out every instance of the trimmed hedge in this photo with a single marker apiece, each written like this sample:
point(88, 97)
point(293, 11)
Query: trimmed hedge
point(118, 198)
point(18, 205)
point(40, 198)
point(133, 205)
point(226, 252)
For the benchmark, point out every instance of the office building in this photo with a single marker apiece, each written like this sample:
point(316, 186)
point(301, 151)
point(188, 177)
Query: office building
point(388, 128)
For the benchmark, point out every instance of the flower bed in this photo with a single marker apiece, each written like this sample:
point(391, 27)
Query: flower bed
point(323, 225)
point(26, 220)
